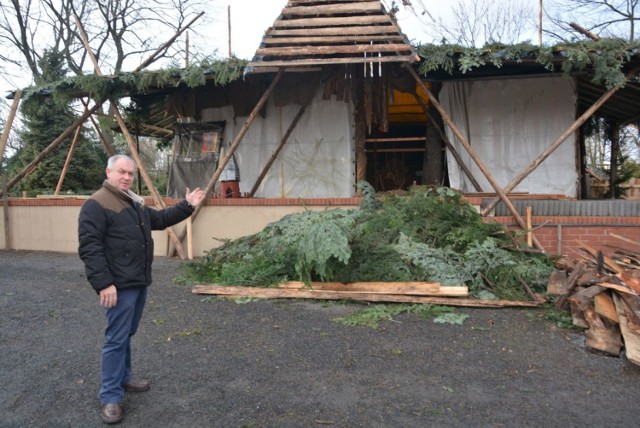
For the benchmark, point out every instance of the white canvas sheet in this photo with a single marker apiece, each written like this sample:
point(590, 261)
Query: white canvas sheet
point(317, 160)
point(509, 123)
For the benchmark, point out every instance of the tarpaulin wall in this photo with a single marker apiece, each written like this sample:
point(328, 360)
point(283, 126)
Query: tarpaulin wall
point(509, 123)
point(317, 161)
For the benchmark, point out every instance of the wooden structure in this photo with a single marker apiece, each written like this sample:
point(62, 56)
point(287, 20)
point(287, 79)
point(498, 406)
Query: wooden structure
point(351, 56)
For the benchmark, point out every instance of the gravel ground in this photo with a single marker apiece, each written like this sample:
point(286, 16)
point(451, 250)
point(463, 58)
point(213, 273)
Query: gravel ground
point(287, 364)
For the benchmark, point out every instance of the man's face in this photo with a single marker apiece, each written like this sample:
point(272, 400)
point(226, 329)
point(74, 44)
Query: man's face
point(121, 175)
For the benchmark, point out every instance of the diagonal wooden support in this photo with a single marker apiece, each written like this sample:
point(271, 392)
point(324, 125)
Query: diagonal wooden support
point(67, 161)
point(132, 146)
point(473, 155)
point(32, 165)
point(7, 126)
point(234, 145)
point(582, 119)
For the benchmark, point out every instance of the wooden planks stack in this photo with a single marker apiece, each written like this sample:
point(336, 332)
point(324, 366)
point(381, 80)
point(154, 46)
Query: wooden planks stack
point(603, 294)
point(391, 292)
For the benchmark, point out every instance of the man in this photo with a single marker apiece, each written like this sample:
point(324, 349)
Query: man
point(115, 244)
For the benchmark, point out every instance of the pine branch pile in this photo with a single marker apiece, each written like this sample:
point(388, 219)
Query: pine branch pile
point(426, 235)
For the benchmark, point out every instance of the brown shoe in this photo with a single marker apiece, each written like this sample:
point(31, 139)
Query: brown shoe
point(134, 385)
point(112, 413)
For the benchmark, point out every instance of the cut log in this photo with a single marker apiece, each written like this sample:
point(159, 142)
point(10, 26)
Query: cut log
point(406, 288)
point(605, 307)
point(283, 293)
point(601, 337)
point(631, 336)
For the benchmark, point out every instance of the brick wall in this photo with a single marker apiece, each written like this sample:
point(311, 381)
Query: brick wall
point(559, 235)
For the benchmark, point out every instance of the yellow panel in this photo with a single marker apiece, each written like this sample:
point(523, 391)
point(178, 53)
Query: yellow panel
point(405, 108)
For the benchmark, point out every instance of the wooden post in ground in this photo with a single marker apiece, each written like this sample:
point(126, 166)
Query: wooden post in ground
point(582, 119)
point(5, 211)
point(276, 152)
point(234, 146)
point(473, 155)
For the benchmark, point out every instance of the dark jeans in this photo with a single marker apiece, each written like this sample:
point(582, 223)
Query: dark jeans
point(122, 323)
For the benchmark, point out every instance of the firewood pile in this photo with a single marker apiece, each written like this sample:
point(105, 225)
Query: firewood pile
point(603, 294)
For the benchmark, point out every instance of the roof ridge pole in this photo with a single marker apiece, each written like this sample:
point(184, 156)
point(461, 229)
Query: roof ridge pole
point(473, 155)
point(234, 146)
point(132, 147)
point(582, 119)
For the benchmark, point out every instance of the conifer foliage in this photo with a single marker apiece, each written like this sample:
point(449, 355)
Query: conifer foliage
point(429, 234)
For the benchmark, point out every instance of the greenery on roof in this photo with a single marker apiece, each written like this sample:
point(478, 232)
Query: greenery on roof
point(604, 58)
point(220, 71)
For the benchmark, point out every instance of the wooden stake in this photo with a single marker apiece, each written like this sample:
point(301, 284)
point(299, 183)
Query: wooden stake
point(529, 233)
point(5, 210)
point(189, 238)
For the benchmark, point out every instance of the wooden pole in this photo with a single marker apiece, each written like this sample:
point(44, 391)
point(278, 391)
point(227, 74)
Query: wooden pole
point(132, 146)
point(473, 154)
point(540, 24)
point(67, 161)
point(7, 126)
point(450, 147)
point(234, 145)
point(276, 152)
point(529, 233)
point(5, 210)
point(229, 28)
point(32, 166)
point(582, 119)
point(186, 50)
point(190, 238)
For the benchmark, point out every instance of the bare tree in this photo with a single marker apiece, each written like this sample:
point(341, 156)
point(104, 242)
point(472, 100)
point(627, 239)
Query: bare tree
point(483, 21)
point(118, 30)
point(605, 18)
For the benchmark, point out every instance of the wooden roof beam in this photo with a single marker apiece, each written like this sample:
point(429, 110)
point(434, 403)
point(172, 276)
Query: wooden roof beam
point(333, 9)
point(328, 50)
point(324, 61)
point(326, 22)
point(332, 39)
point(337, 31)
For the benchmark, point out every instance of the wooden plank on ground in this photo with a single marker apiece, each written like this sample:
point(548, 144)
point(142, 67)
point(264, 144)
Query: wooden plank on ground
point(631, 336)
point(407, 288)
point(280, 293)
point(583, 298)
point(600, 336)
point(605, 307)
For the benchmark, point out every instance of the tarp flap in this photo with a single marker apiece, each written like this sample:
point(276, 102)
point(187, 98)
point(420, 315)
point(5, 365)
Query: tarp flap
point(509, 123)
